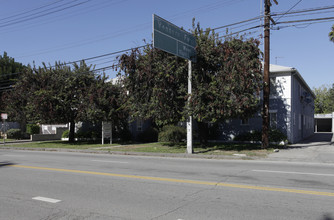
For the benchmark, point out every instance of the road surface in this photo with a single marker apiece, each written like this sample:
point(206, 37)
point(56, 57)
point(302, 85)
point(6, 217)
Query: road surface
point(63, 185)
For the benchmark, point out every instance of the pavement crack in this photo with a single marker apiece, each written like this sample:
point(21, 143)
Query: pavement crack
point(187, 200)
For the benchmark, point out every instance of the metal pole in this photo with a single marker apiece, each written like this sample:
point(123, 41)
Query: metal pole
point(266, 82)
point(110, 132)
point(190, 120)
point(3, 127)
point(102, 133)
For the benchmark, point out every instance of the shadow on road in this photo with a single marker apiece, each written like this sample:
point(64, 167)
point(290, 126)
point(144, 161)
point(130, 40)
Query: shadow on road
point(6, 163)
point(327, 217)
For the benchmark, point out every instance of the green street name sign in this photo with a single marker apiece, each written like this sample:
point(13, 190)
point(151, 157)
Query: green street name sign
point(172, 39)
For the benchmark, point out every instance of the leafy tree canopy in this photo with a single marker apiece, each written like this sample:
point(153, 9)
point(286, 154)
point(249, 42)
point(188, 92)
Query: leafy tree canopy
point(324, 102)
point(331, 34)
point(226, 80)
point(62, 94)
point(9, 72)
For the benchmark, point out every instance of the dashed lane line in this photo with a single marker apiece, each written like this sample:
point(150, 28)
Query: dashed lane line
point(45, 199)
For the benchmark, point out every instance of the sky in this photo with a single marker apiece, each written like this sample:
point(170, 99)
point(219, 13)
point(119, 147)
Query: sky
point(36, 31)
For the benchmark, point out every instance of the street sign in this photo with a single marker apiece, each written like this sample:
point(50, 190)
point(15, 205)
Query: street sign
point(172, 39)
point(106, 131)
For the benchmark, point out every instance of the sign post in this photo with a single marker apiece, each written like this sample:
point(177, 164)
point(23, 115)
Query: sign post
point(190, 119)
point(106, 131)
point(172, 39)
point(4, 117)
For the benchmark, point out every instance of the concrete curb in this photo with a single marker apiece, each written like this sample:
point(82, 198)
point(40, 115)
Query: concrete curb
point(130, 153)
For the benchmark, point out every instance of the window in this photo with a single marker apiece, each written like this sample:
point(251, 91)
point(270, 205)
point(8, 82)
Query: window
point(273, 119)
point(139, 125)
point(273, 86)
point(244, 121)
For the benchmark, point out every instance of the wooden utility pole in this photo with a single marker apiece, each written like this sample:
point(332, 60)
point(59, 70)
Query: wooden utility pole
point(266, 80)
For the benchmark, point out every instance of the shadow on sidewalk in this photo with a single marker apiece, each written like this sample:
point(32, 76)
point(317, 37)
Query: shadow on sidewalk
point(316, 140)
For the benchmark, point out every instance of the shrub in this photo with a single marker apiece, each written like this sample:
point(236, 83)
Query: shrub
point(65, 134)
point(32, 129)
point(173, 134)
point(124, 134)
point(83, 134)
point(149, 135)
point(274, 136)
point(277, 136)
point(14, 133)
point(249, 136)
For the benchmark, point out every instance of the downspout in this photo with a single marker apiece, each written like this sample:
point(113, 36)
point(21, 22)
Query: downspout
point(292, 113)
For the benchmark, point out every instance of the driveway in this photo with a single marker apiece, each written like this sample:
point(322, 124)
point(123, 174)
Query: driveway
point(319, 148)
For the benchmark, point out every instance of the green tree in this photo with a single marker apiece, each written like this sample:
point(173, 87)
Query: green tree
point(61, 94)
point(9, 72)
point(226, 81)
point(56, 94)
point(154, 82)
point(106, 103)
point(324, 102)
point(15, 100)
point(331, 34)
point(331, 98)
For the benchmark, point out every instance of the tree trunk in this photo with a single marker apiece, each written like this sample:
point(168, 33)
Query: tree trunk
point(72, 132)
point(203, 132)
point(23, 126)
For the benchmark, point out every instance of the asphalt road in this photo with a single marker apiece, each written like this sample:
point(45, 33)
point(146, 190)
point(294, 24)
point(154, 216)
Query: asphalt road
point(63, 185)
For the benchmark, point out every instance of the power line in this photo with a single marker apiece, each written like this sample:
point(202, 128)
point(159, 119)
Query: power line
point(240, 22)
point(238, 32)
point(86, 59)
point(23, 19)
point(306, 20)
point(297, 25)
point(103, 55)
point(78, 11)
point(288, 10)
point(26, 12)
point(227, 35)
point(7, 88)
point(305, 10)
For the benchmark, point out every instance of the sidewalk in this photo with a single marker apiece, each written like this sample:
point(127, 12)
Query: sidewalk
point(318, 148)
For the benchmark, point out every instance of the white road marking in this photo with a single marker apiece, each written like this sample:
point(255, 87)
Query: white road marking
point(300, 173)
point(44, 199)
point(109, 161)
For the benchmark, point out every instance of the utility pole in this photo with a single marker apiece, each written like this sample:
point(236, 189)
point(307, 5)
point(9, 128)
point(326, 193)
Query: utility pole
point(266, 80)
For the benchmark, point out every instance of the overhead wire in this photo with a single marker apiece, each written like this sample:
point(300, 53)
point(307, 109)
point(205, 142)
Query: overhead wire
point(46, 20)
point(42, 15)
point(127, 31)
point(105, 56)
point(30, 10)
point(288, 10)
point(19, 17)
